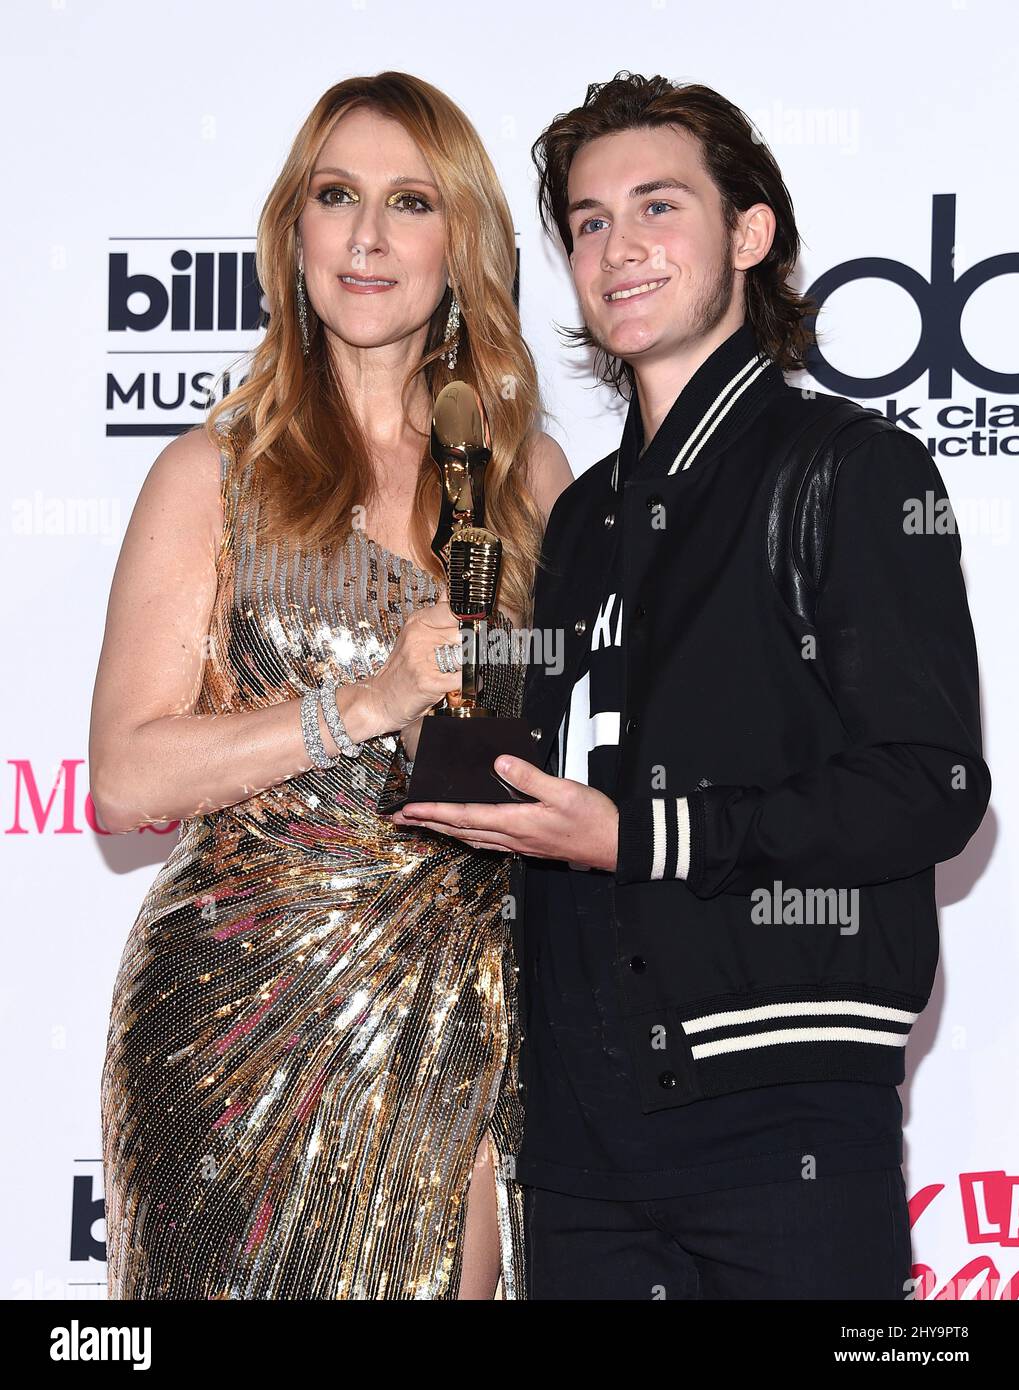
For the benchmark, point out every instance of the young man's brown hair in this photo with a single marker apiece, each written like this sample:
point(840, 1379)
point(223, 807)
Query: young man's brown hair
point(743, 170)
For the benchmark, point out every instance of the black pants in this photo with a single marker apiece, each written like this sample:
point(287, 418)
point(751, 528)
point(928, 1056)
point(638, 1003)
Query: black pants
point(844, 1236)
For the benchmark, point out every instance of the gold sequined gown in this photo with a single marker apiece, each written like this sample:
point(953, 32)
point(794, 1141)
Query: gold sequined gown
point(313, 1024)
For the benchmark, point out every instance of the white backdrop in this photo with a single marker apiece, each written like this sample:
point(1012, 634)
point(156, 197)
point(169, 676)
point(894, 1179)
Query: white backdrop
point(136, 131)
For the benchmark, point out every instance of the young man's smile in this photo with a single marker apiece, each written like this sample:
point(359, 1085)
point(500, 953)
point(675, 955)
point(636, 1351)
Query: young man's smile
point(632, 288)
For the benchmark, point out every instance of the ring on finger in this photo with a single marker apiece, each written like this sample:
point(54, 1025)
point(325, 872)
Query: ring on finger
point(447, 658)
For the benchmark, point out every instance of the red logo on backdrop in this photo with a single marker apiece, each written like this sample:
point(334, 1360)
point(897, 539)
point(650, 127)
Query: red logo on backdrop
point(32, 816)
point(990, 1209)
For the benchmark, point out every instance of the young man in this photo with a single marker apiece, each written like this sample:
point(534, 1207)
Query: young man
point(765, 735)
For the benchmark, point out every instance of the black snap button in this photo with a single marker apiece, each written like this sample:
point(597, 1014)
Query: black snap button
point(536, 733)
point(609, 519)
point(653, 501)
point(638, 963)
point(640, 611)
point(632, 725)
point(667, 1080)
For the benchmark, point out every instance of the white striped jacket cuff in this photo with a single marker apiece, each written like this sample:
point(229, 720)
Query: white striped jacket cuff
point(654, 839)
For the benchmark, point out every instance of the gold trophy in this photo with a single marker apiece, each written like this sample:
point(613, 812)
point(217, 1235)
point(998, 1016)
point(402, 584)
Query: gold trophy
point(460, 736)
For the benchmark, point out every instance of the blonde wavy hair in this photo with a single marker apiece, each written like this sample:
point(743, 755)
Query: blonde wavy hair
point(286, 417)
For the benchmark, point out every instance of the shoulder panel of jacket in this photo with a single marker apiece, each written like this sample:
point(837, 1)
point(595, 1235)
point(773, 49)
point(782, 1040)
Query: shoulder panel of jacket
point(801, 498)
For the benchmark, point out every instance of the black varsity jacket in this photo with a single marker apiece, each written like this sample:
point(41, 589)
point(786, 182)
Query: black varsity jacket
point(801, 717)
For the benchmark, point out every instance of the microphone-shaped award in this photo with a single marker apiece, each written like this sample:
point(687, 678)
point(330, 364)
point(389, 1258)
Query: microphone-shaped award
point(460, 736)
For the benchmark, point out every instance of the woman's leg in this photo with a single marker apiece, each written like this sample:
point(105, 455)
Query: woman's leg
point(479, 1275)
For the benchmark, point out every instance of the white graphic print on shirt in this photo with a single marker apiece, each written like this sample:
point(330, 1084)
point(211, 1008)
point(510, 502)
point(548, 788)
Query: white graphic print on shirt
point(591, 722)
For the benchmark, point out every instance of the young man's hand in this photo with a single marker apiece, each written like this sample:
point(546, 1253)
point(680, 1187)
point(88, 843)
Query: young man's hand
point(568, 821)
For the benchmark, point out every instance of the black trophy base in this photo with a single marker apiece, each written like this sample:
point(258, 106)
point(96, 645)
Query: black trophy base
point(455, 755)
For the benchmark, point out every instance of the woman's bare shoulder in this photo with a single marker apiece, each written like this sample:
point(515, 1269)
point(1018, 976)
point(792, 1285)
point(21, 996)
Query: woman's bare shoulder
point(548, 471)
point(192, 455)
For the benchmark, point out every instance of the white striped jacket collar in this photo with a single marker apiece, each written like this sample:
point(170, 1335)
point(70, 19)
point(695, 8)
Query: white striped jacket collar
point(717, 397)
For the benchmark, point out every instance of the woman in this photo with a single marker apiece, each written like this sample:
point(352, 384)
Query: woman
point(310, 1077)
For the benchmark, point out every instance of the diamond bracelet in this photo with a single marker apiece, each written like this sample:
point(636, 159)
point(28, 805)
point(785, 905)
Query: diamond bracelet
point(324, 698)
point(313, 745)
point(334, 720)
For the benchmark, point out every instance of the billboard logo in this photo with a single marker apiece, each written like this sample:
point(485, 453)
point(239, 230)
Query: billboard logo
point(200, 291)
point(181, 312)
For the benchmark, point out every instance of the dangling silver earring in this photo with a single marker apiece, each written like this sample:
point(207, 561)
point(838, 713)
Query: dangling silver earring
point(452, 336)
point(302, 309)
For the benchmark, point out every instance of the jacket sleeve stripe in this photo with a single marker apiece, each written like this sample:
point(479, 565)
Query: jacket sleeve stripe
point(682, 838)
point(653, 839)
point(659, 837)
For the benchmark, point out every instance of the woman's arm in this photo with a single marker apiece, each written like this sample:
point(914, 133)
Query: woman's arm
point(151, 759)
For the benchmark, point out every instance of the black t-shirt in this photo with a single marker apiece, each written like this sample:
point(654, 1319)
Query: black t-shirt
point(584, 1130)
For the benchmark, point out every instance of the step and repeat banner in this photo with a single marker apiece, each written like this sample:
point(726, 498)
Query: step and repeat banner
point(142, 139)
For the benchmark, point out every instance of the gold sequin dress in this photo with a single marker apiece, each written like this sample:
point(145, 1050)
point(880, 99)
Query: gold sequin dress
point(313, 1024)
